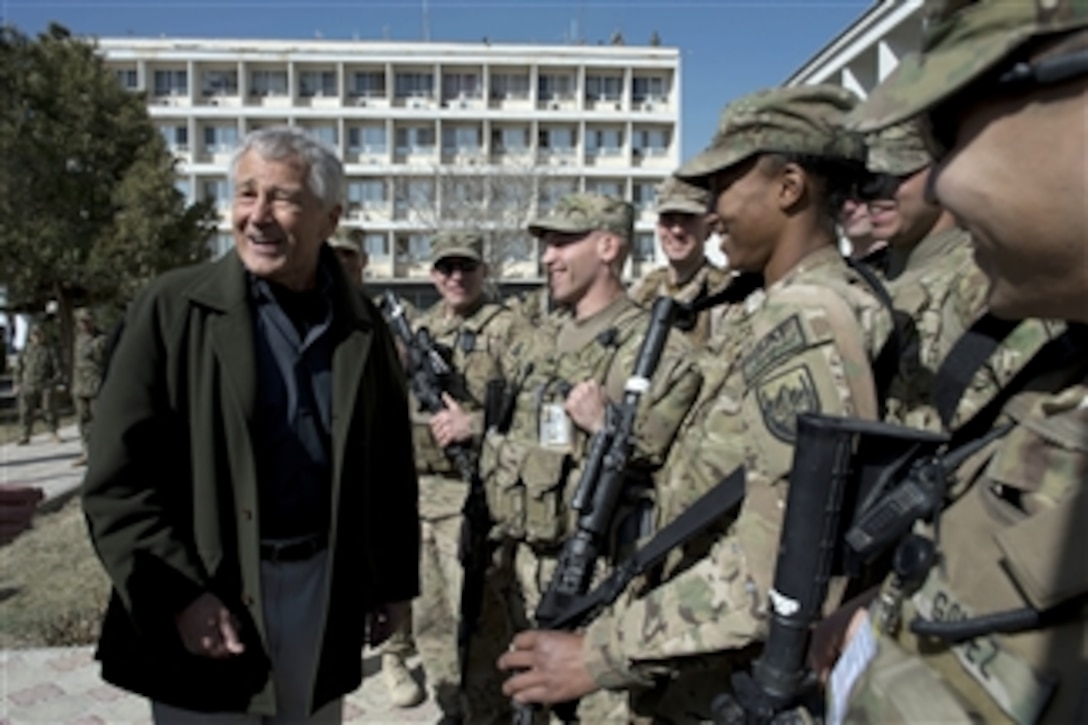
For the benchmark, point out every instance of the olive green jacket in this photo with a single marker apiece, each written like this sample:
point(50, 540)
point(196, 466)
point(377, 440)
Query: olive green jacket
point(171, 495)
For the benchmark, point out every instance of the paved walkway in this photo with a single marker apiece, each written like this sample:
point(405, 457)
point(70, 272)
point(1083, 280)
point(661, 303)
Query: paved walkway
point(61, 685)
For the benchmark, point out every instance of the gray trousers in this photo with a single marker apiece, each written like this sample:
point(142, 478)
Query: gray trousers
point(294, 603)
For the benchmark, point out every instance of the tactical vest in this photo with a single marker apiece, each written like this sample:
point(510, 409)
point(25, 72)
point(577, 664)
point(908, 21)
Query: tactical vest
point(474, 347)
point(530, 470)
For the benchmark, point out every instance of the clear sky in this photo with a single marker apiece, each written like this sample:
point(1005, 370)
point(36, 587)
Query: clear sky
point(728, 47)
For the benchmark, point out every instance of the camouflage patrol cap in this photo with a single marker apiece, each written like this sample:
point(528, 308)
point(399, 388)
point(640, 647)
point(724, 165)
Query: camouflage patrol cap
point(457, 243)
point(897, 150)
point(83, 314)
point(680, 197)
point(795, 120)
point(350, 239)
point(962, 40)
point(580, 213)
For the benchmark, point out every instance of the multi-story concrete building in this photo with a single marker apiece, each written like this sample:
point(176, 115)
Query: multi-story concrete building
point(867, 50)
point(431, 133)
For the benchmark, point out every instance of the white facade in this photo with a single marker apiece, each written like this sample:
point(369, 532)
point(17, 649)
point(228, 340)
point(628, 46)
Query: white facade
point(868, 50)
point(418, 124)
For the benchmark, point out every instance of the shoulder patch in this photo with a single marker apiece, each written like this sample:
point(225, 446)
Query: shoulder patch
point(786, 339)
point(782, 398)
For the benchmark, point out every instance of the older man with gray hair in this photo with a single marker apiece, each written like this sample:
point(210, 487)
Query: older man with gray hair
point(251, 490)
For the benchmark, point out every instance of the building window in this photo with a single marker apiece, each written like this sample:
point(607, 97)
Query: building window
point(269, 83)
point(605, 188)
point(367, 84)
point(604, 142)
point(604, 88)
point(460, 85)
point(317, 83)
point(555, 87)
point(556, 141)
point(326, 134)
point(376, 245)
point(552, 191)
point(652, 142)
point(218, 192)
point(460, 139)
point(414, 85)
point(509, 86)
point(643, 248)
point(367, 139)
point(647, 88)
point(171, 83)
point(176, 138)
point(414, 249)
point(184, 188)
point(366, 194)
point(220, 83)
point(518, 249)
point(128, 78)
point(510, 140)
point(220, 139)
point(415, 140)
point(643, 195)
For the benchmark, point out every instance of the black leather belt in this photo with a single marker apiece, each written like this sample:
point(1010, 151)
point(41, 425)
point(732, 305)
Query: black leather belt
point(297, 549)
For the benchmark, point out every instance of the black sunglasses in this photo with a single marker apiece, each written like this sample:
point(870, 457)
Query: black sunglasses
point(940, 125)
point(878, 186)
point(446, 267)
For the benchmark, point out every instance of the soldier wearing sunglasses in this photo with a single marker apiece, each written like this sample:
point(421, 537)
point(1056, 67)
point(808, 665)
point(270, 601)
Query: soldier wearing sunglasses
point(997, 632)
point(931, 274)
point(473, 331)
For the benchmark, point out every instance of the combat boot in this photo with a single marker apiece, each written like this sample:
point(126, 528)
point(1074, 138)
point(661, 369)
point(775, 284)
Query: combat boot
point(403, 689)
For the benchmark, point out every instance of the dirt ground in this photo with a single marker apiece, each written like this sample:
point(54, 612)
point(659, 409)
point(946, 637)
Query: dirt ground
point(52, 588)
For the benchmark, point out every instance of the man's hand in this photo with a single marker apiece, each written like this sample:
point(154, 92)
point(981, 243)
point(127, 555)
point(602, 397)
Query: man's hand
point(452, 425)
point(384, 619)
point(586, 405)
point(17, 507)
point(208, 629)
point(549, 668)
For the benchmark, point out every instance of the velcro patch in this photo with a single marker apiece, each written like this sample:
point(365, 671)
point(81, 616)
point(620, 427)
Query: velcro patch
point(785, 396)
point(784, 341)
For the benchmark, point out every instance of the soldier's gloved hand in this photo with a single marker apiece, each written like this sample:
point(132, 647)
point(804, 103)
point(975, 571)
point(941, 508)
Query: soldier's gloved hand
point(452, 425)
point(586, 405)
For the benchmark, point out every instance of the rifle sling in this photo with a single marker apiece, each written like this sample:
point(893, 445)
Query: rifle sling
point(968, 354)
point(696, 518)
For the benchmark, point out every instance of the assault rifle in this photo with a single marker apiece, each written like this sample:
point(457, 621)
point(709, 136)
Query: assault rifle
point(847, 470)
point(599, 490)
point(430, 375)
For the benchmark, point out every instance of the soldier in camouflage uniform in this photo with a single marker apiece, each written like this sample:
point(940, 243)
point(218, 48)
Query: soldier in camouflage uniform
point(88, 358)
point(37, 374)
point(683, 229)
point(802, 344)
point(932, 277)
point(348, 245)
point(566, 373)
point(1007, 130)
point(474, 331)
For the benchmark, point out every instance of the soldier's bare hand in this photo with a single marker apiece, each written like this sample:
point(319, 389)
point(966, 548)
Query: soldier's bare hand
point(208, 629)
point(452, 425)
point(549, 668)
point(586, 405)
point(833, 634)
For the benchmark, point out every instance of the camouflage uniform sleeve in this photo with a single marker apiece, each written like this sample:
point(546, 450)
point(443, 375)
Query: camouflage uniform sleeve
point(674, 388)
point(810, 356)
point(644, 292)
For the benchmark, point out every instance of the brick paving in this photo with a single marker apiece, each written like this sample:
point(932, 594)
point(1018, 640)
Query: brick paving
point(62, 685)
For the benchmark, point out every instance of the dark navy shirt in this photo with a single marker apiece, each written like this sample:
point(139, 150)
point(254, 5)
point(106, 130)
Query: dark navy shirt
point(294, 345)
